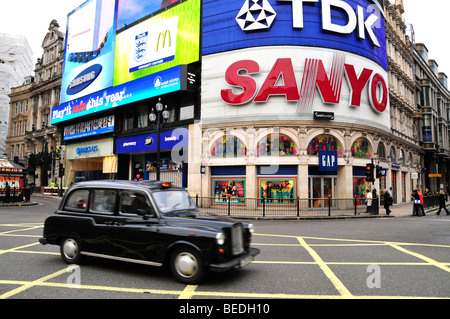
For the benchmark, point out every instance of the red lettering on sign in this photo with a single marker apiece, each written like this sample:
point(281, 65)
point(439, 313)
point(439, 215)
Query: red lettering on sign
point(282, 68)
point(357, 84)
point(376, 82)
point(247, 83)
point(314, 76)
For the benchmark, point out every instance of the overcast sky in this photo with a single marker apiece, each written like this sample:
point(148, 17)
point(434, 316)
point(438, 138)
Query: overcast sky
point(31, 18)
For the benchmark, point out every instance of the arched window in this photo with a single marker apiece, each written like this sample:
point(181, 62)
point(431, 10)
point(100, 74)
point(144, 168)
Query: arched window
point(381, 151)
point(362, 148)
point(228, 146)
point(324, 143)
point(276, 144)
point(393, 156)
point(401, 157)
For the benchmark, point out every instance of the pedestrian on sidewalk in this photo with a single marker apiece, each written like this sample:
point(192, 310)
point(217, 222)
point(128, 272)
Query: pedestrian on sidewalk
point(387, 201)
point(369, 201)
point(421, 202)
point(442, 196)
point(415, 197)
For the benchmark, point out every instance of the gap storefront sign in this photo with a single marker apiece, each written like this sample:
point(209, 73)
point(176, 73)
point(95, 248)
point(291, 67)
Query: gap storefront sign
point(171, 139)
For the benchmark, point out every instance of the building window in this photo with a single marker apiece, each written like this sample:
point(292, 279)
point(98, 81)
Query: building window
point(276, 144)
point(324, 143)
point(361, 148)
point(401, 157)
point(12, 152)
point(278, 191)
point(381, 151)
point(228, 146)
point(228, 189)
point(393, 155)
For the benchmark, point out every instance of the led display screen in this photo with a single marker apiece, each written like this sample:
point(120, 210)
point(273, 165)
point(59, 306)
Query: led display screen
point(89, 51)
point(355, 26)
point(168, 39)
point(130, 11)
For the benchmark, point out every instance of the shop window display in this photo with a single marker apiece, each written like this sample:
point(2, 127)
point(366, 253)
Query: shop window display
point(360, 188)
point(278, 191)
point(228, 146)
point(362, 148)
point(324, 143)
point(276, 144)
point(228, 189)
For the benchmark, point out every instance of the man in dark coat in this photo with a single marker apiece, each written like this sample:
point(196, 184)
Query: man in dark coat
point(387, 201)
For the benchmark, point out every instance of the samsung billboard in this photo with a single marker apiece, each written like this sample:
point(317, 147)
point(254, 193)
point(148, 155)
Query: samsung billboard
point(354, 26)
point(89, 50)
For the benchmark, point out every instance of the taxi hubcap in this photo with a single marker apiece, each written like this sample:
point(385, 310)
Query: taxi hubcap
point(186, 264)
point(70, 248)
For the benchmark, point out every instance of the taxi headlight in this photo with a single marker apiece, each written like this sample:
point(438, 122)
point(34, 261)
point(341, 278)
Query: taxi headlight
point(220, 238)
point(251, 228)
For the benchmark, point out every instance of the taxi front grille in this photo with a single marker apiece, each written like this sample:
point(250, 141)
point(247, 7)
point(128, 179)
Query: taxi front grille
point(237, 243)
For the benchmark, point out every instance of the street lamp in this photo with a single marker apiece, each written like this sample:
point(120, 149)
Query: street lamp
point(158, 120)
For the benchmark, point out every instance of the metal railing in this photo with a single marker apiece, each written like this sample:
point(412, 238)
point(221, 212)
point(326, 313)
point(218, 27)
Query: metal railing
point(285, 207)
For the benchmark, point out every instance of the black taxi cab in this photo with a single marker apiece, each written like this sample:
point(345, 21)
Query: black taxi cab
point(153, 223)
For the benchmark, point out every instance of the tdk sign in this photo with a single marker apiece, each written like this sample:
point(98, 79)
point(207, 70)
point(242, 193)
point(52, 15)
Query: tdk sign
point(355, 26)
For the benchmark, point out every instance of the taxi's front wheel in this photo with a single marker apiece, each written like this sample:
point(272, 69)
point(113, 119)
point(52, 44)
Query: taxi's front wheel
point(186, 265)
point(70, 251)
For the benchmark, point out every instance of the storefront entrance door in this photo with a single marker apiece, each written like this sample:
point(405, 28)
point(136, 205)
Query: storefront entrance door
point(320, 189)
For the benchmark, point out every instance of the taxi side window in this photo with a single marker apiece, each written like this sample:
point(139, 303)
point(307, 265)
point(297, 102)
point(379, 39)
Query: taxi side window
point(103, 201)
point(134, 203)
point(77, 201)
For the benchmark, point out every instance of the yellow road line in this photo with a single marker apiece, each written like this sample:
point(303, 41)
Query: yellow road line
point(17, 248)
point(203, 293)
point(18, 230)
point(31, 284)
point(333, 278)
point(426, 259)
point(188, 292)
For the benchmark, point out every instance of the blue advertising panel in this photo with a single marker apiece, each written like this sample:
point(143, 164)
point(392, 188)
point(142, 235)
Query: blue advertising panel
point(143, 88)
point(90, 48)
point(328, 161)
point(170, 139)
point(355, 26)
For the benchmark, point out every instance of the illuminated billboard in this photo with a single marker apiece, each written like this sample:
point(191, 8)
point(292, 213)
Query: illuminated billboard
point(166, 40)
point(143, 61)
point(130, 11)
point(355, 26)
point(89, 51)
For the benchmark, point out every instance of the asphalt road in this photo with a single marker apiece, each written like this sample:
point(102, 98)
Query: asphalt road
point(389, 258)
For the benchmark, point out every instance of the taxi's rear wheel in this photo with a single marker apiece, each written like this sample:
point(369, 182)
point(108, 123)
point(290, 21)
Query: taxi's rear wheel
point(70, 251)
point(186, 265)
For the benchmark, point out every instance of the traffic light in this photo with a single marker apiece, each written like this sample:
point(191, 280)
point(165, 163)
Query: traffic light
point(378, 171)
point(369, 173)
point(61, 170)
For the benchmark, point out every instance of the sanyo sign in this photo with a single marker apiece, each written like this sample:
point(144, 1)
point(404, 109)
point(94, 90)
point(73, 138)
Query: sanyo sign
point(357, 20)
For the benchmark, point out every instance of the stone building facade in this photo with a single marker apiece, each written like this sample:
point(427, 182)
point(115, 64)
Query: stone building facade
point(38, 139)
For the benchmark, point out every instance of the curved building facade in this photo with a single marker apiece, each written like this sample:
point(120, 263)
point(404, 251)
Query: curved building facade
point(295, 99)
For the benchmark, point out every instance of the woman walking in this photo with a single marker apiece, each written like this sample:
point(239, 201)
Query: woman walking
point(442, 202)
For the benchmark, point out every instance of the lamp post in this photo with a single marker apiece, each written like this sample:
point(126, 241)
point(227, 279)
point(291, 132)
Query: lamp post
point(158, 120)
